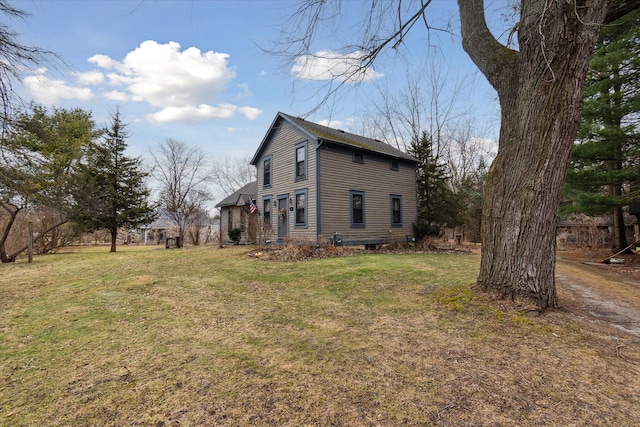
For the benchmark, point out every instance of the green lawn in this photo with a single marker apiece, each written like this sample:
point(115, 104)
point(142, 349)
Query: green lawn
point(208, 336)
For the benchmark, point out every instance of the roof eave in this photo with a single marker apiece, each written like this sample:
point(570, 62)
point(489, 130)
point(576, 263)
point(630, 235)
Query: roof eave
point(369, 150)
point(267, 136)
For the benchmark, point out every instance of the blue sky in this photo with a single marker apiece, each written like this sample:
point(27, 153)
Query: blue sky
point(195, 70)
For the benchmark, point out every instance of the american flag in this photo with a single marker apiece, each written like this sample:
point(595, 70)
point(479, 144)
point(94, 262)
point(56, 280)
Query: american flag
point(252, 207)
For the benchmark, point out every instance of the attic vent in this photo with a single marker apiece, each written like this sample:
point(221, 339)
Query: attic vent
point(340, 130)
point(376, 139)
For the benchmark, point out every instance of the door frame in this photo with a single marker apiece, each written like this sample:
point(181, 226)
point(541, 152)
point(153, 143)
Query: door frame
point(283, 225)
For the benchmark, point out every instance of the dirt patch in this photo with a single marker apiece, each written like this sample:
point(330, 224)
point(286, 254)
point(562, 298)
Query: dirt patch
point(604, 294)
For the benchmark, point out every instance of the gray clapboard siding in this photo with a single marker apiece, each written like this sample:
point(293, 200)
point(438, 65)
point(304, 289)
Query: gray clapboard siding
point(340, 175)
point(281, 148)
point(332, 171)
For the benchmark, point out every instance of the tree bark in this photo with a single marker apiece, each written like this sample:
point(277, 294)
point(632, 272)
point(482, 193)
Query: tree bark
point(615, 164)
point(114, 237)
point(540, 91)
point(4, 257)
point(13, 211)
point(619, 242)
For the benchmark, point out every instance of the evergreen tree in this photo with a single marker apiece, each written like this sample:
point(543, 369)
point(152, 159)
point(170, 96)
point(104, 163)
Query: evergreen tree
point(115, 193)
point(606, 159)
point(438, 206)
point(40, 153)
point(470, 196)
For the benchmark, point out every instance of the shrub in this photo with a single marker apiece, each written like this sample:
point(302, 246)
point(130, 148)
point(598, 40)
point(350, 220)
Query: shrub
point(234, 235)
point(422, 229)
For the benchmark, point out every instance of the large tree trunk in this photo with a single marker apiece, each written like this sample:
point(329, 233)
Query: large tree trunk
point(540, 90)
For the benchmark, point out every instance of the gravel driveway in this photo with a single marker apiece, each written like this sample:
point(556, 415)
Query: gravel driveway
point(602, 293)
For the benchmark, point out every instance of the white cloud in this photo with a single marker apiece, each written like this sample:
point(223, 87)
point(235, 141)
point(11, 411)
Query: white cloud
point(202, 112)
point(103, 61)
point(90, 77)
point(116, 95)
point(245, 92)
point(250, 112)
point(489, 146)
point(327, 65)
point(50, 91)
point(183, 85)
point(331, 123)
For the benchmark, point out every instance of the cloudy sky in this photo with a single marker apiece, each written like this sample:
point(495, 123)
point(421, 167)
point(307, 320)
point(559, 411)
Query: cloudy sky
point(198, 71)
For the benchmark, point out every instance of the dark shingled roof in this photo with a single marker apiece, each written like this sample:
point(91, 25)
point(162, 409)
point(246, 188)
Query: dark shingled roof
point(337, 136)
point(240, 197)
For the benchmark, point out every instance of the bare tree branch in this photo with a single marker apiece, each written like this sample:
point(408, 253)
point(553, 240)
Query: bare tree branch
point(16, 58)
point(231, 174)
point(496, 61)
point(183, 173)
point(300, 31)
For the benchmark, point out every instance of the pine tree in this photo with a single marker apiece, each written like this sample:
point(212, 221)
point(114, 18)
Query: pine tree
point(40, 152)
point(115, 193)
point(470, 196)
point(437, 204)
point(606, 159)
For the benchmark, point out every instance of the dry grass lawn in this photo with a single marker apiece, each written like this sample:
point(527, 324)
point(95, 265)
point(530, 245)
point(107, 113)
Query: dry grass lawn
point(208, 336)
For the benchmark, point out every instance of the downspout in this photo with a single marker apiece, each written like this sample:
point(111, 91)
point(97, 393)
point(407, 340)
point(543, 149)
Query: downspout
point(318, 207)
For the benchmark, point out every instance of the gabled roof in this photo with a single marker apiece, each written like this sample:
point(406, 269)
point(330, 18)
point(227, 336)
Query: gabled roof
point(326, 134)
point(240, 197)
point(161, 222)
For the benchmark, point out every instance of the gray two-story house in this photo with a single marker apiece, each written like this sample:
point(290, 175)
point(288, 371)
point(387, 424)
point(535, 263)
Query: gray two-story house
point(315, 182)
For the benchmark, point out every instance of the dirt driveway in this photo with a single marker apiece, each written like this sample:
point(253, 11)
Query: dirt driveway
point(603, 294)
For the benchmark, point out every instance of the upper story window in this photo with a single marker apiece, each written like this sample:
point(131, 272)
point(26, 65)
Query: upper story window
point(396, 210)
point(358, 157)
point(357, 209)
point(301, 161)
point(395, 165)
point(266, 172)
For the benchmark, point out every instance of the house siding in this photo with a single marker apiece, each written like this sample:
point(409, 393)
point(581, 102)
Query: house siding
point(240, 218)
point(282, 149)
point(374, 177)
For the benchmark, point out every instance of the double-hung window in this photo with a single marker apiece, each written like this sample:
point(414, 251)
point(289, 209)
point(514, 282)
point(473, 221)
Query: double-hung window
point(300, 208)
point(301, 161)
point(266, 172)
point(357, 209)
point(266, 211)
point(396, 210)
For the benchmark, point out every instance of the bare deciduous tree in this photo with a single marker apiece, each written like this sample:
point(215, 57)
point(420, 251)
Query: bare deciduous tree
point(182, 172)
point(231, 174)
point(465, 150)
point(428, 103)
